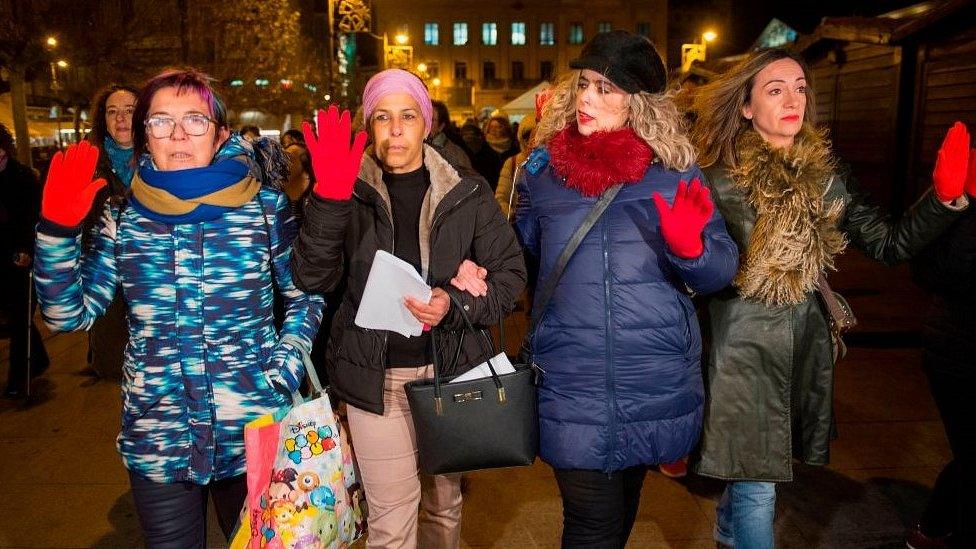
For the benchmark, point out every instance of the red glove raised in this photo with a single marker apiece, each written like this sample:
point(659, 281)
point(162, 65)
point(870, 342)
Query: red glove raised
point(683, 222)
point(69, 190)
point(334, 161)
point(949, 176)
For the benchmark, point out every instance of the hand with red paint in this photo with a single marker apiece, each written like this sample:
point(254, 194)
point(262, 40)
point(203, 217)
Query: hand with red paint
point(949, 176)
point(69, 190)
point(683, 222)
point(334, 161)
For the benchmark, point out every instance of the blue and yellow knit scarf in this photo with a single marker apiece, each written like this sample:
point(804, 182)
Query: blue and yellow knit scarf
point(197, 194)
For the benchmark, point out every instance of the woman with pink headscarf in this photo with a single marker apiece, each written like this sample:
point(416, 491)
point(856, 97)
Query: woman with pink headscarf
point(403, 197)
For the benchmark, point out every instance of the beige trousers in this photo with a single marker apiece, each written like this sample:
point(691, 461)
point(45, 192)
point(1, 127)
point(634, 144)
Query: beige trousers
point(386, 450)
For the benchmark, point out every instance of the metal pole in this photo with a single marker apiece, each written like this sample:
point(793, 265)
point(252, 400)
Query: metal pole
point(30, 324)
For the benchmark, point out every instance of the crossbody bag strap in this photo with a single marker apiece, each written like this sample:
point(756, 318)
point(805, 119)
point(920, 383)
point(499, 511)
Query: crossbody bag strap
point(550, 288)
point(841, 317)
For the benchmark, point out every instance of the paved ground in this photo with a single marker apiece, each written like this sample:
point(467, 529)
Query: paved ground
point(62, 484)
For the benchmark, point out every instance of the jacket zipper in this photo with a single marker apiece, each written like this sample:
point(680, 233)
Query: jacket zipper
point(433, 228)
point(611, 401)
point(387, 209)
point(443, 213)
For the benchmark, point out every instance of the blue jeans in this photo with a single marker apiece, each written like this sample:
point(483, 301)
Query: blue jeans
point(744, 516)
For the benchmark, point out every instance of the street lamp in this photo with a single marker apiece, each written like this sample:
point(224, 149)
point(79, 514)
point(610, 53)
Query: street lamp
point(397, 55)
point(62, 63)
point(52, 42)
point(696, 50)
point(422, 68)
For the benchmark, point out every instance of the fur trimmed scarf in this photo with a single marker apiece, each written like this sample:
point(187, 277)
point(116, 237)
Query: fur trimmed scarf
point(796, 234)
point(597, 162)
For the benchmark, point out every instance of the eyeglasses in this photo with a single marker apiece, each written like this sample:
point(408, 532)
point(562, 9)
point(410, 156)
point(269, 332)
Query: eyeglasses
point(125, 112)
point(161, 127)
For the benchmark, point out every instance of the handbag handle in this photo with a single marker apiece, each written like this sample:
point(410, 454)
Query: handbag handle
point(313, 376)
point(574, 242)
point(438, 401)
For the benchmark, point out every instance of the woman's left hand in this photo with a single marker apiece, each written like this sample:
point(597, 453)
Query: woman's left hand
point(949, 176)
point(432, 312)
point(683, 222)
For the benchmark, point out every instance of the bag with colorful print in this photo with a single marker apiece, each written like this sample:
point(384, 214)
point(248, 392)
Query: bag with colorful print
point(304, 493)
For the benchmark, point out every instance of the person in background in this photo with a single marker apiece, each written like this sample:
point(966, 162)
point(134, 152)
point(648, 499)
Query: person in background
point(250, 132)
point(20, 200)
point(947, 268)
point(441, 139)
point(792, 206)
point(300, 175)
point(402, 196)
point(501, 137)
point(618, 344)
point(111, 133)
point(505, 190)
point(198, 251)
point(483, 158)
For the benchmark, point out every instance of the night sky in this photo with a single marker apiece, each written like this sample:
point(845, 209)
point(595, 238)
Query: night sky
point(803, 15)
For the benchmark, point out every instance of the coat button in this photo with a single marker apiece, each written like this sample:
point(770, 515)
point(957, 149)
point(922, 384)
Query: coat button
point(467, 308)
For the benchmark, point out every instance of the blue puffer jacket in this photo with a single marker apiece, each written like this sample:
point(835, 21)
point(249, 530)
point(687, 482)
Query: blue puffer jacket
point(203, 357)
point(619, 343)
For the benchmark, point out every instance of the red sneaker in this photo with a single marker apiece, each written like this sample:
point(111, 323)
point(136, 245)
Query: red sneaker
point(675, 469)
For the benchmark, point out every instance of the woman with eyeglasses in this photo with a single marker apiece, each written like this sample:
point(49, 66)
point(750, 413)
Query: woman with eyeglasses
point(195, 251)
point(111, 132)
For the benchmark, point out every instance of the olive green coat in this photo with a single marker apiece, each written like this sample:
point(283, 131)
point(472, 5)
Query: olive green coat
point(769, 376)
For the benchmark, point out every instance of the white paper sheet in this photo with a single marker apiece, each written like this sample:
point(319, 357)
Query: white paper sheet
point(500, 362)
point(390, 280)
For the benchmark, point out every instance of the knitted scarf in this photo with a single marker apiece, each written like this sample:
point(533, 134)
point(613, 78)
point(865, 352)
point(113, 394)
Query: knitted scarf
point(795, 237)
point(198, 194)
point(599, 161)
point(121, 160)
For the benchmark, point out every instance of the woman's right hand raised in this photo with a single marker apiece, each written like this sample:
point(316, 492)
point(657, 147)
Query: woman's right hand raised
point(69, 190)
point(334, 161)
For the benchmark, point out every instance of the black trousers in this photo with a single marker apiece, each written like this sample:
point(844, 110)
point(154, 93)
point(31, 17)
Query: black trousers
point(599, 508)
point(952, 508)
point(174, 516)
point(16, 299)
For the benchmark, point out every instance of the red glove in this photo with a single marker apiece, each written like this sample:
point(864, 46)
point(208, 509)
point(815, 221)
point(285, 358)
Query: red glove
point(971, 178)
point(69, 190)
point(334, 161)
point(949, 176)
point(682, 223)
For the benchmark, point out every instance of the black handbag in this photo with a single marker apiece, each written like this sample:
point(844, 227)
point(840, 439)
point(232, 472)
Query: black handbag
point(478, 424)
point(490, 422)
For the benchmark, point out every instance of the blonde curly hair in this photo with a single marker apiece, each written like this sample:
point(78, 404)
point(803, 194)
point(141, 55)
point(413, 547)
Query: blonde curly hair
point(653, 116)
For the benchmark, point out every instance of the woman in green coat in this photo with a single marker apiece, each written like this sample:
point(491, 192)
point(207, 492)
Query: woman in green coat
point(791, 206)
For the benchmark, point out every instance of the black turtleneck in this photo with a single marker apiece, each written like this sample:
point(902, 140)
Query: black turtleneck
point(407, 192)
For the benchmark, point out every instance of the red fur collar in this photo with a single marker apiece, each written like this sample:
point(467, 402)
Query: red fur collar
point(593, 164)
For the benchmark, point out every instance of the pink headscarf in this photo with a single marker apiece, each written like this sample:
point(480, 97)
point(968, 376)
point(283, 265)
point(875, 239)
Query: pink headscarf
point(397, 81)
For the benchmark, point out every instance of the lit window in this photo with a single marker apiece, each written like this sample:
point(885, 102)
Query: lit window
point(460, 34)
point(547, 34)
point(431, 34)
point(518, 33)
point(643, 29)
point(489, 34)
point(576, 33)
point(604, 26)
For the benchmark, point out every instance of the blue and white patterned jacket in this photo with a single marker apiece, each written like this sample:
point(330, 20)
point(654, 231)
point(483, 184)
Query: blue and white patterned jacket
point(203, 357)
